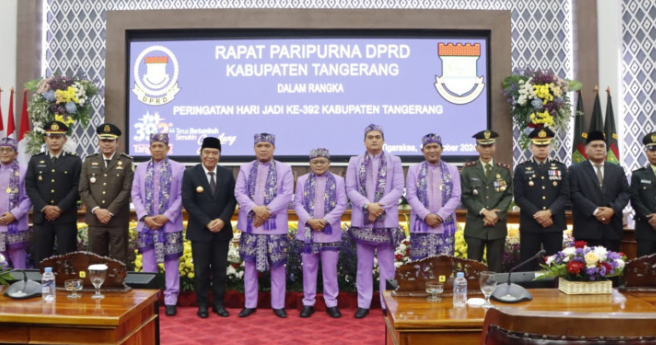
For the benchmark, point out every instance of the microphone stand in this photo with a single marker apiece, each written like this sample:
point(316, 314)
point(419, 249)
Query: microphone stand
point(23, 289)
point(513, 293)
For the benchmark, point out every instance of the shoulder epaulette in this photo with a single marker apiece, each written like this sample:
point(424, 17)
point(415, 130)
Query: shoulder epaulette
point(71, 153)
point(641, 168)
point(526, 161)
point(39, 154)
point(126, 155)
point(469, 164)
point(503, 165)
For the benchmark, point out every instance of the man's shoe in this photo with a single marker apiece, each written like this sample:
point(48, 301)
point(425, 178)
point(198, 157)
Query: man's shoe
point(171, 310)
point(333, 312)
point(220, 310)
point(361, 313)
point(307, 311)
point(281, 313)
point(202, 312)
point(246, 312)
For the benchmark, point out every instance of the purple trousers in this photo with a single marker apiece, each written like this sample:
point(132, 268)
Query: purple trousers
point(328, 260)
point(18, 257)
point(278, 285)
point(364, 280)
point(172, 275)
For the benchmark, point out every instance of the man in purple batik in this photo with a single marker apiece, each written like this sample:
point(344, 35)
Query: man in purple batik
point(156, 194)
point(14, 205)
point(319, 203)
point(374, 183)
point(264, 189)
point(433, 192)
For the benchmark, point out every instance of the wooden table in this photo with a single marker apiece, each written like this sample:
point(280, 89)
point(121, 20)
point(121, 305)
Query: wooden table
point(413, 320)
point(120, 318)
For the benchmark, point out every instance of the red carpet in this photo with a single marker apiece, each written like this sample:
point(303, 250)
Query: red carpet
point(264, 327)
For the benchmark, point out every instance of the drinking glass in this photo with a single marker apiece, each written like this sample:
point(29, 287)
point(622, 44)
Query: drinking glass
point(434, 288)
point(97, 275)
point(73, 285)
point(488, 282)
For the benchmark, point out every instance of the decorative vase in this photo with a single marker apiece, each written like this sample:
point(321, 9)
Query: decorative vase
point(585, 288)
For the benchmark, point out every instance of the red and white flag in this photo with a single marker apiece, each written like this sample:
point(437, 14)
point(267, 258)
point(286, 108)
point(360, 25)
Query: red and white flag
point(23, 156)
point(11, 127)
point(2, 126)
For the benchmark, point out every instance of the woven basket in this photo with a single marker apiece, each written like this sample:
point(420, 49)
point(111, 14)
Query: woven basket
point(585, 288)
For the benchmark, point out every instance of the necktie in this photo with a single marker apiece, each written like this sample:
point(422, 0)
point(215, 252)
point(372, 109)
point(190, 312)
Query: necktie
point(600, 178)
point(106, 163)
point(488, 170)
point(54, 160)
point(212, 182)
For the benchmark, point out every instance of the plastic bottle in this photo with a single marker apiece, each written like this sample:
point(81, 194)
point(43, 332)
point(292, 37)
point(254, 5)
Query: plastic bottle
point(48, 285)
point(460, 291)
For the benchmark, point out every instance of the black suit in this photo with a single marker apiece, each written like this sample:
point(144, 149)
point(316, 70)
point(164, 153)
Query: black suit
point(53, 184)
point(587, 196)
point(209, 250)
point(643, 201)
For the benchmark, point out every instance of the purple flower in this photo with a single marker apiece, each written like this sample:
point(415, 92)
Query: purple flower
point(60, 82)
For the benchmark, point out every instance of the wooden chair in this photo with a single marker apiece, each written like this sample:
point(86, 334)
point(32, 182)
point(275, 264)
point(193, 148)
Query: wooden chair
point(75, 265)
point(411, 277)
point(640, 274)
point(515, 326)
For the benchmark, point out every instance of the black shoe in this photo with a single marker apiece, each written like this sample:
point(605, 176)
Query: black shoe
point(307, 311)
point(171, 310)
point(361, 313)
point(202, 312)
point(281, 313)
point(333, 312)
point(220, 310)
point(246, 312)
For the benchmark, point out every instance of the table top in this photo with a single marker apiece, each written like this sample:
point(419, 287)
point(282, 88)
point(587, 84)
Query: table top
point(417, 313)
point(112, 310)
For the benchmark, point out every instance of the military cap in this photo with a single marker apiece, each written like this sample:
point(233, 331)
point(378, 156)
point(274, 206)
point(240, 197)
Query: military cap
point(55, 128)
point(211, 143)
point(541, 136)
point(596, 135)
point(486, 137)
point(108, 131)
point(650, 141)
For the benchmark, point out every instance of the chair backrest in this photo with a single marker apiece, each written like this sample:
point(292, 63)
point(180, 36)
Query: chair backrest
point(515, 326)
point(412, 276)
point(75, 265)
point(640, 274)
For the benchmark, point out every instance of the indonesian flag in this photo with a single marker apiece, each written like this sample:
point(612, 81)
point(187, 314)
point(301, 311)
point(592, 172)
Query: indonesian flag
point(11, 127)
point(2, 126)
point(23, 156)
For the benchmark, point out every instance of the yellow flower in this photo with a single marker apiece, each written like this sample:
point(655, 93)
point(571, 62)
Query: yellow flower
point(542, 92)
point(591, 259)
point(65, 96)
point(190, 275)
point(67, 120)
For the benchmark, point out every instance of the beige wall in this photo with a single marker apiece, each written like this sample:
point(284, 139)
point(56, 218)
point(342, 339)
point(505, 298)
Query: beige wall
point(8, 21)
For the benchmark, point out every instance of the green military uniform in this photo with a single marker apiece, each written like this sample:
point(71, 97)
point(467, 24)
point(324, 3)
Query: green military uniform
point(107, 185)
point(643, 201)
point(479, 192)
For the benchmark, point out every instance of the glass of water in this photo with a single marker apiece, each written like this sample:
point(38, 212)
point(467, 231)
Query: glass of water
point(73, 285)
point(488, 282)
point(97, 274)
point(434, 288)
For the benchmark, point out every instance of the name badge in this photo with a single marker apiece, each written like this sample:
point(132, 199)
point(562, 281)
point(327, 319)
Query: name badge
point(645, 181)
point(474, 179)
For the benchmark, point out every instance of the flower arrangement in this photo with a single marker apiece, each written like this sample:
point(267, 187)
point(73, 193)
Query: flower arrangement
point(583, 263)
point(539, 99)
point(65, 99)
point(5, 274)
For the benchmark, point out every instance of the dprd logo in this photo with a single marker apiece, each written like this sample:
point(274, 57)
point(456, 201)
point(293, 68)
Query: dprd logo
point(156, 76)
point(459, 83)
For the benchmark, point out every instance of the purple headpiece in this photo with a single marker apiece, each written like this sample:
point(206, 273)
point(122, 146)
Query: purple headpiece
point(319, 152)
point(161, 137)
point(431, 138)
point(10, 142)
point(374, 127)
point(265, 137)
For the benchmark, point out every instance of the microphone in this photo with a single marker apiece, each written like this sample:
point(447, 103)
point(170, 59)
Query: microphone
point(513, 293)
point(23, 289)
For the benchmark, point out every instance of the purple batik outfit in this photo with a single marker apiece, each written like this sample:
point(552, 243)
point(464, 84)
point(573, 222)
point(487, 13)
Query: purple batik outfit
point(157, 190)
point(317, 194)
point(432, 189)
point(14, 237)
point(384, 234)
point(264, 247)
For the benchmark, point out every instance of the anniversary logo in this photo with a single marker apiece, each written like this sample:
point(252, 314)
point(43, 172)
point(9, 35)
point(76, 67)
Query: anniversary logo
point(153, 84)
point(459, 83)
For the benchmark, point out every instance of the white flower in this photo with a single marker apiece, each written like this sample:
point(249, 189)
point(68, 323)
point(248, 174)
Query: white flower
point(2, 258)
point(550, 259)
point(600, 252)
point(591, 259)
point(569, 251)
point(231, 270)
point(620, 263)
point(398, 264)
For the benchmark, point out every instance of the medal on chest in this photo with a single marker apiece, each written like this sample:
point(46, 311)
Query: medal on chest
point(93, 179)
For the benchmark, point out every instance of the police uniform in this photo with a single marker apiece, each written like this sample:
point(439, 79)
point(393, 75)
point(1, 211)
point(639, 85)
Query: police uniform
point(486, 192)
point(643, 200)
point(107, 185)
point(53, 181)
point(540, 186)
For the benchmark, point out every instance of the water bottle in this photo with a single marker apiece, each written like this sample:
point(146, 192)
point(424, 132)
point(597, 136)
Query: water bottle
point(460, 291)
point(48, 285)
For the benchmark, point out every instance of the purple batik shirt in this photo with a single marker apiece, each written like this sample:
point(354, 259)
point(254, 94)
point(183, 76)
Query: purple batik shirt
point(333, 217)
point(434, 177)
point(277, 206)
point(20, 212)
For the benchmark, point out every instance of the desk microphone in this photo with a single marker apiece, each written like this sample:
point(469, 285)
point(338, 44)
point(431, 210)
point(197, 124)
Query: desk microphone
point(513, 293)
point(23, 289)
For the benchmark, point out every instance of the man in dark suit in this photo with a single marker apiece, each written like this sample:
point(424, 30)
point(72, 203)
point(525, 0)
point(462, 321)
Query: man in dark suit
point(541, 189)
point(599, 192)
point(105, 187)
point(486, 193)
point(643, 199)
point(51, 183)
point(208, 195)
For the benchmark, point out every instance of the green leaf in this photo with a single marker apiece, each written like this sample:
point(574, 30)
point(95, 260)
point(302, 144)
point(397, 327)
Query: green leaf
point(574, 85)
point(31, 85)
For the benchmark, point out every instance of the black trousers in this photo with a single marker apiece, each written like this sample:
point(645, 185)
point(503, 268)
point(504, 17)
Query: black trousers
point(476, 246)
point(532, 242)
point(646, 247)
point(210, 264)
point(613, 245)
point(112, 242)
point(44, 240)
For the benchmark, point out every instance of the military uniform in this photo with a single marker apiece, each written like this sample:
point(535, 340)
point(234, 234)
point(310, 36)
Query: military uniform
point(50, 183)
point(108, 187)
point(643, 201)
